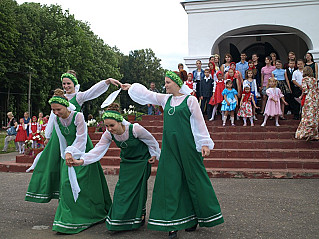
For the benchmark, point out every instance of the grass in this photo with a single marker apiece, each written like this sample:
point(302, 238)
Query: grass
point(11, 147)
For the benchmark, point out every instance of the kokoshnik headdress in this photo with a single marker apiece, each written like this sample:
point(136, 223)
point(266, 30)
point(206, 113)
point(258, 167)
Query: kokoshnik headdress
point(59, 100)
point(174, 77)
point(71, 77)
point(111, 114)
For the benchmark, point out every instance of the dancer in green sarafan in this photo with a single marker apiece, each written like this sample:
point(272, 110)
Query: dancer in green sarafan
point(138, 149)
point(83, 193)
point(183, 195)
point(47, 167)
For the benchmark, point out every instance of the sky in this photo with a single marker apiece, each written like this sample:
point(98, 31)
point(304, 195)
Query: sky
point(133, 25)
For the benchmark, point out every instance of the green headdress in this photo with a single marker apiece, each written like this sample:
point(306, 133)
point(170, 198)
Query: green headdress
point(174, 77)
point(71, 77)
point(59, 100)
point(111, 114)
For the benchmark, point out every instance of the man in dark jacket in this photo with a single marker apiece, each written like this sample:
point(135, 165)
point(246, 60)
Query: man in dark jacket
point(206, 92)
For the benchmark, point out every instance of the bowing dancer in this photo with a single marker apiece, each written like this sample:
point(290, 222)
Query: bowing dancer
point(71, 87)
point(83, 194)
point(47, 168)
point(183, 195)
point(139, 149)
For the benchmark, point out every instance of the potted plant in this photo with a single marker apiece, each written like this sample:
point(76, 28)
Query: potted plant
point(91, 125)
point(28, 147)
point(131, 113)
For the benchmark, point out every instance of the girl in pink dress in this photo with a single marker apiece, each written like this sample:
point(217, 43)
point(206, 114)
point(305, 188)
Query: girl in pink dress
point(246, 109)
point(21, 135)
point(273, 103)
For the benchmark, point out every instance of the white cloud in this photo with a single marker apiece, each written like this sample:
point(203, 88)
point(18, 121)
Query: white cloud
point(131, 25)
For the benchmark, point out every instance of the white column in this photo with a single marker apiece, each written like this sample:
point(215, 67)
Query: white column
point(190, 62)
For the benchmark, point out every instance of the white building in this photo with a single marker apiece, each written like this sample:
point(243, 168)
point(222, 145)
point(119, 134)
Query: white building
point(252, 26)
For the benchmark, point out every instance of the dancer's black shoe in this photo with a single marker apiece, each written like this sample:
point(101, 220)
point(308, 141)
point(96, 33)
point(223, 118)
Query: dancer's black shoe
point(172, 234)
point(191, 229)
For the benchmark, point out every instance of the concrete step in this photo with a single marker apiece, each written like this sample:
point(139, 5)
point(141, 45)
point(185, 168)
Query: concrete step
point(306, 159)
point(258, 163)
point(252, 153)
point(230, 135)
point(288, 173)
point(267, 144)
point(218, 123)
point(266, 153)
point(220, 128)
point(10, 166)
point(263, 173)
point(252, 136)
point(243, 173)
point(260, 144)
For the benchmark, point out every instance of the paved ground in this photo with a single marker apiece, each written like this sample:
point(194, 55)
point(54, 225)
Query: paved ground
point(8, 156)
point(251, 208)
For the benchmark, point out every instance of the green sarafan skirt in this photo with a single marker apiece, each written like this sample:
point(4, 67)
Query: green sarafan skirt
point(130, 193)
point(183, 195)
point(50, 180)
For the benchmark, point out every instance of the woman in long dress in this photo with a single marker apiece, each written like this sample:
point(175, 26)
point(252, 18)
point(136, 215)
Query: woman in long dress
point(47, 163)
point(138, 149)
point(84, 199)
point(308, 127)
point(183, 195)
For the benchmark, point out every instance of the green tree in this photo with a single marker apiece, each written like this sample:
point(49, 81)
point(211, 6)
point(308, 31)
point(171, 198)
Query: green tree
point(44, 42)
point(47, 41)
point(8, 43)
point(144, 67)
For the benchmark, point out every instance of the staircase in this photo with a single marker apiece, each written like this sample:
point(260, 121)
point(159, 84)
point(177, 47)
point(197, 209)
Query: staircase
point(240, 152)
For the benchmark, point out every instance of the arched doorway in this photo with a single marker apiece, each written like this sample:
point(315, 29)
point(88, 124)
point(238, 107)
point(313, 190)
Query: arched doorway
point(262, 50)
point(262, 39)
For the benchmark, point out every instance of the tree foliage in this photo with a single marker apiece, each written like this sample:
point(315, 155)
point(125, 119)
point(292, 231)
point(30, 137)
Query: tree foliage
point(144, 67)
point(46, 41)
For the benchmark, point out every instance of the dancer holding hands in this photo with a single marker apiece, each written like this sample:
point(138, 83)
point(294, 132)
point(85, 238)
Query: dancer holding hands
point(138, 150)
point(47, 166)
point(83, 194)
point(183, 195)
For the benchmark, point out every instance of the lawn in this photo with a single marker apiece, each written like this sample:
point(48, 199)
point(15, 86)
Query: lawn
point(11, 147)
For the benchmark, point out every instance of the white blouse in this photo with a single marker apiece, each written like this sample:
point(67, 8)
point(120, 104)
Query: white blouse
point(90, 94)
point(103, 145)
point(79, 144)
point(24, 128)
point(81, 97)
point(143, 96)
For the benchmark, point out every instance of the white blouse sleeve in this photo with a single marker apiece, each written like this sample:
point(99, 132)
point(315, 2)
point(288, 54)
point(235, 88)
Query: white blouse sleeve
point(256, 90)
point(99, 150)
point(77, 149)
point(17, 129)
point(142, 134)
point(294, 74)
point(198, 126)
point(50, 125)
point(92, 93)
point(30, 131)
point(140, 94)
point(214, 86)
